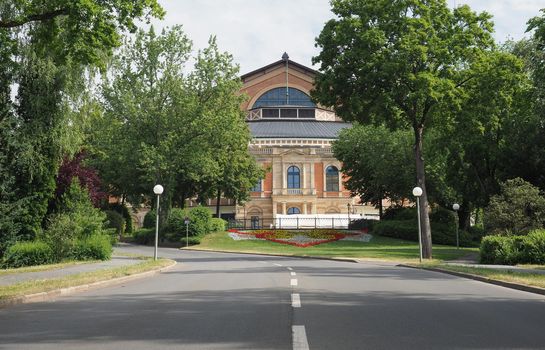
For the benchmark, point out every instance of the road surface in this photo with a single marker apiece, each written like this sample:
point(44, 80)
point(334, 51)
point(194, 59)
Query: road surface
point(236, 301)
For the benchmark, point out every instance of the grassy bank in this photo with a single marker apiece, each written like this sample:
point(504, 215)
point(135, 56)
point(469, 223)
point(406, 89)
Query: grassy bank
point(38, 286)
point(529, 279)
point(382, 248)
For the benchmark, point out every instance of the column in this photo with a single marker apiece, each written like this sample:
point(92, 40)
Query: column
point(304, 177)
point(305, 207)
point(284, 177)
point(274, 209)
point(284, 210)
point(312, 180)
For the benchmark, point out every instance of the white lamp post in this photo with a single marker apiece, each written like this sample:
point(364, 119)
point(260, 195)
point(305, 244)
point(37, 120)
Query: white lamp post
point(417, 192)
point(157, 189)
point(456, 207)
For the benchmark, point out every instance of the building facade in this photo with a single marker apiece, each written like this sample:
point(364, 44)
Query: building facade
point(291, 139)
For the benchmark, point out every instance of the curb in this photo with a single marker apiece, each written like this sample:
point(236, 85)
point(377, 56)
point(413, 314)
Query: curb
point(511, 285)
point(47, 296)
point(270, 254)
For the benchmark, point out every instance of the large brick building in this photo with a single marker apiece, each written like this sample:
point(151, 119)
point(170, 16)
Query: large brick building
point(292, 139)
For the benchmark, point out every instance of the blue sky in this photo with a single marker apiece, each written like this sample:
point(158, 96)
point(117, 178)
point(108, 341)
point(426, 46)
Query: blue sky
point(257, 32)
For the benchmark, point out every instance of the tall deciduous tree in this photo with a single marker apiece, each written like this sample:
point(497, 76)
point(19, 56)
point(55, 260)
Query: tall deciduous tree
point(398, 63)
point(166, 123)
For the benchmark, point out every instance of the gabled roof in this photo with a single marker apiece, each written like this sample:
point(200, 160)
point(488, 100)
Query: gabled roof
point(296, 129)
point(279, 63)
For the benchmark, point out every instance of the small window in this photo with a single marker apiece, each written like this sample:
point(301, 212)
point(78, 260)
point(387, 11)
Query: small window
point(332, 179)
point(257, 187)
point(293, 211)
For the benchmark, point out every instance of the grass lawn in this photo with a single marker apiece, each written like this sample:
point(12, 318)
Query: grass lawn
point(380, 248)
point(45, 285)
point(536, 280)
point(47, 267)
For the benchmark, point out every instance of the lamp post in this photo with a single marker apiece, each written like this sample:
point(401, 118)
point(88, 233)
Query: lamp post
point(186, 222)
point(417, 192)
point(348, 206)
point(157, 189)
point(456, 207)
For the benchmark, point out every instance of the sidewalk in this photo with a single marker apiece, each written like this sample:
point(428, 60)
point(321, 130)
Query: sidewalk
point(116, 261)
point(471, 260)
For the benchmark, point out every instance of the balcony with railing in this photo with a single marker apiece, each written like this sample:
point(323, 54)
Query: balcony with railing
point(294, 191)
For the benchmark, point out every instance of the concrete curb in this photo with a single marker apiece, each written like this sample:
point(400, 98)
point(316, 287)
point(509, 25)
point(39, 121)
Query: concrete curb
point(522, 287)
point(47, 296)
point(270, 254)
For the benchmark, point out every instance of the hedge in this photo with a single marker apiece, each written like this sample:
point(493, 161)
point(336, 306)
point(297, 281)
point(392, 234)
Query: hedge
point(144, 236)
point(512, 250)
point(28, 254)
point(97, 247)
point(115, 220)
point(408, 230)
point(217, 224)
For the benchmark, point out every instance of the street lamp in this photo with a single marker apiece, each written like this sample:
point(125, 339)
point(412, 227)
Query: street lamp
point(157, 189)
point(417, 192)
point(456, 207)
point(348, 206)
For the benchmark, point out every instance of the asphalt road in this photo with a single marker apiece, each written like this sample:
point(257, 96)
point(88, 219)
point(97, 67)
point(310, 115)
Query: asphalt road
point(234, 301)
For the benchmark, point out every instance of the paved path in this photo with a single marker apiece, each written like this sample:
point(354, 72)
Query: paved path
point(234, 301)
point(66, 271)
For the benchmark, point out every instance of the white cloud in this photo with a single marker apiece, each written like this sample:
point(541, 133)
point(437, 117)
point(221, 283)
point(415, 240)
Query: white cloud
point(257, 32)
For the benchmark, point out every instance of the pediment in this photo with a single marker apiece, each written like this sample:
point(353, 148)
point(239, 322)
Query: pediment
point(292, 151)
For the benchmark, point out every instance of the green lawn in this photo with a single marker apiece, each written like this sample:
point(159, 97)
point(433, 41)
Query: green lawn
point(381, 248)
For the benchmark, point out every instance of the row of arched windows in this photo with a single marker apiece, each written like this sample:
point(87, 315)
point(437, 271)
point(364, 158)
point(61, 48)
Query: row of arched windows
point(294, 179)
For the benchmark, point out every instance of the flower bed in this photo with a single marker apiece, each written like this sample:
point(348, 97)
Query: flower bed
point(295, 238)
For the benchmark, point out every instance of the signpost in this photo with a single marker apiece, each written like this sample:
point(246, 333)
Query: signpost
point(186, 222)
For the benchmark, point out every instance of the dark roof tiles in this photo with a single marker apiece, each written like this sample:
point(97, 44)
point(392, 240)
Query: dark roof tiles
point(296, 129)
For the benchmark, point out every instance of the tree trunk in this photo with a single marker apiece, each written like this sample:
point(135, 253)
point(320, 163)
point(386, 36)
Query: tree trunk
point(380, 209)
point(464, 216)
point(218, 199)
point(421, 182)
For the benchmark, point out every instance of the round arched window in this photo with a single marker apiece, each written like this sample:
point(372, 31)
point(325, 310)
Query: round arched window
point(293, 210)
point(332, 179)
point(294, 177)
point(278, 97)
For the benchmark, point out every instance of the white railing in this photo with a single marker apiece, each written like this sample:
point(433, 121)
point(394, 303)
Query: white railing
point(294, 191)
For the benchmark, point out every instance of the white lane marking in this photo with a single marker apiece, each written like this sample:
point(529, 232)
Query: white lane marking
point(299, 338)
point(277, 265)
point(293, 282)
point(295, 300)
point(289, 268)
point(293, 273)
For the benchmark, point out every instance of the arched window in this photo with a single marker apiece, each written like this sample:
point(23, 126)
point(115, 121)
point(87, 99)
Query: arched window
point(277, 97)
point(293, 177)
point(293, 210)
point(332, 179)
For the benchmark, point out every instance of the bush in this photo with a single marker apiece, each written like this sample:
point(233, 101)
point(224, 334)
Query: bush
point(96, 247)
point(362, 224)
point(513, 250)
point(115, 221)
point(200, 218)
point(408, 230)
point(518, 209)
point(444, 216)
point(217, 224)
point(144, 236)
point(124, 211)
point(28, 254)
point(399, 213)
point(149, 219)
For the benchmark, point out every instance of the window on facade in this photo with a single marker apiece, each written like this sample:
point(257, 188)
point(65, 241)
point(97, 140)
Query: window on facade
point(332, 179)
point(293, 210)
point(257, 187)
point(293, 177)
point(277, 97)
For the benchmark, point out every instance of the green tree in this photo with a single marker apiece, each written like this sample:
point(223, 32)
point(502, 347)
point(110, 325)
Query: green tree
point(399, 63)
point(377, 162)
point(166, 123)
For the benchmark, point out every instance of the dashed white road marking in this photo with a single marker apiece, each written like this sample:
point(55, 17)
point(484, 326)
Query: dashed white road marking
point(293, 273)
point(295, 300)
point(277, 265)
point(299, 338)
point(293, 282)
point(289, 268)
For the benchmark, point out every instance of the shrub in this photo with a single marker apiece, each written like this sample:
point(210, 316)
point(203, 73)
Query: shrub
point(217, 224)
point(444, 216)
point(408, 230)
point(512, 250)
point(115, 221)
point(518, 209)
point(176, 221)
point(28, 254)
point(362, 224)
point(144, 236)
point(399, 213)
point(96, 247)
point(199, 221)
point(533, 250)
point(124, 211)
point(149, 219)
